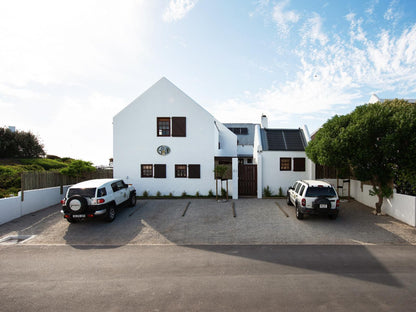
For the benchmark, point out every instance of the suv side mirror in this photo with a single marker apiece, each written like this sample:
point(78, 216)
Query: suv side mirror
point(291, 188)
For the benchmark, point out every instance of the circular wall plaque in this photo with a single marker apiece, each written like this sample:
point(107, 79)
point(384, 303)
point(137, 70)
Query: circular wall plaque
point(163, 150)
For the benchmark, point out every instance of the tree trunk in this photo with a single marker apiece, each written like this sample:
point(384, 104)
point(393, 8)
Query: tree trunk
point(379, 203)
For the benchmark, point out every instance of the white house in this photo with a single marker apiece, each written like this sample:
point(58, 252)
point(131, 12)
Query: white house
point(280, 157)
point(165, 142)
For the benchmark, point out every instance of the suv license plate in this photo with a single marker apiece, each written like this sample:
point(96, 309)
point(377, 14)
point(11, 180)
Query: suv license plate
point(78, 216)
point(323, 206)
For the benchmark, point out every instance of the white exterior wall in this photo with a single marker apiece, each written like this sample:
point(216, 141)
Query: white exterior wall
point(228, 142)
point(402, 207)
point(245, 149)
point(34, 200)
point(136, 141)
point(274, 178)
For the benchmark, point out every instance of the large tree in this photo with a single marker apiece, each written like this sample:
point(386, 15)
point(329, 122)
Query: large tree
point(19, 144)
point(376, 142)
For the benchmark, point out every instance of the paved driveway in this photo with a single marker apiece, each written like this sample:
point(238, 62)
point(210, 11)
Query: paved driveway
point(205, 221)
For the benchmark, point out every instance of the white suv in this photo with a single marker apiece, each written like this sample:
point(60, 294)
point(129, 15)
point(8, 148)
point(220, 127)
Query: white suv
point(313, 197)
point(100, 197)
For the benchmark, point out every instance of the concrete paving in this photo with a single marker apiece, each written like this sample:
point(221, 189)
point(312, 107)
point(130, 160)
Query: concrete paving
point(208, 278)
point(208, 222)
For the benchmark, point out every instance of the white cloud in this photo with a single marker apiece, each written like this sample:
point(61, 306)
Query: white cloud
point(81, 127)
point(60, 63)
point(356, 31)
point(312, 30)
point(371, 7)
point(334, 76)
point(392, 13)
point(178, 9)
point(284, 19)
point(56, 42)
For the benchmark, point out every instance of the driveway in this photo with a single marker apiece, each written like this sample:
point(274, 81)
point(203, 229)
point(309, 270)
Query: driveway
point(207, 222)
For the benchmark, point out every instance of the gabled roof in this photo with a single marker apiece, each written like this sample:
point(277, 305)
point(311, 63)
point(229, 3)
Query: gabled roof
point(244, 132)
point(167, 91)
point(283, 140)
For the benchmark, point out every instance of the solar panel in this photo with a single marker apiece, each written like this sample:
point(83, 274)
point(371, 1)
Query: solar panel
point(284, 140)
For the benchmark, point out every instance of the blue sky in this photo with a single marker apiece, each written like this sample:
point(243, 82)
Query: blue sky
point(67, 67)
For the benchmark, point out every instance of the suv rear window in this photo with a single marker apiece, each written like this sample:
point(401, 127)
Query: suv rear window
point(317, 191)
point(86, 192)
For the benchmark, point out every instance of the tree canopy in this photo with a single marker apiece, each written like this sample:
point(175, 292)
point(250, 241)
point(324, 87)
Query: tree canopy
point(19, 144)
point(375, 143)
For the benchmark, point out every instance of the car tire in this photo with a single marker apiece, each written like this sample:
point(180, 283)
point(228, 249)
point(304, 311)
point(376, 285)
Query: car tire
point(77, 204)
point(132, 201)
point(71, 220)
point(299, 214)
point(111, 214)
point(288, 201)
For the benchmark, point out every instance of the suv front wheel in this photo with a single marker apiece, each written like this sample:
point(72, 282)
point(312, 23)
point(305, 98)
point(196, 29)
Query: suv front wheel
point(132, 202)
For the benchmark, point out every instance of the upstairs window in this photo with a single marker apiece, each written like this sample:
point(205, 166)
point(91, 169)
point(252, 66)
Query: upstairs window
point(175, 126)
point(243, 131)
point(163, 126)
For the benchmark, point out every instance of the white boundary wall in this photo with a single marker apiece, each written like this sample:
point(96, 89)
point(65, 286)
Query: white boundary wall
point(401, 207)
point(34, 200)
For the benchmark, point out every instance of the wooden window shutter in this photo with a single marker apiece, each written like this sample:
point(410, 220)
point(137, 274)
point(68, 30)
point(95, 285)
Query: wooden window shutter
point(194, 171)
point(299, 164)
point(179, 126)
point(160, 171)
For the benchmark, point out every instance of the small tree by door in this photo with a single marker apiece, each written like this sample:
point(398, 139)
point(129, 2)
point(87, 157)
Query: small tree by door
point(220, 174)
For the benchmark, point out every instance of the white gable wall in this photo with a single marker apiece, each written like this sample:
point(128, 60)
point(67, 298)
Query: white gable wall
point(136, 141)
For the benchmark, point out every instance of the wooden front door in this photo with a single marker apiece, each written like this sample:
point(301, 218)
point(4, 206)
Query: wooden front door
point(247, 180)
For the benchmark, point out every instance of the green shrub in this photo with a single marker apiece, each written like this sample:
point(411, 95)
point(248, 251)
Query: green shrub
point(47, 164)
point(280, 192)
point(10, 191)
point(77, 168)
point(158, 194)
point(210, 193)
point(267, 191)
point(184, 194)
point(197, 194)
point(145, 194)
point(223, 192)
point(170, 194)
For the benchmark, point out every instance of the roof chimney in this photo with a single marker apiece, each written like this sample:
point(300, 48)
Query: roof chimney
point(264, 121)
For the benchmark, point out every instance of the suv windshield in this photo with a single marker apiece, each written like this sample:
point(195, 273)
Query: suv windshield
point(317, 191)
point(86, 192)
